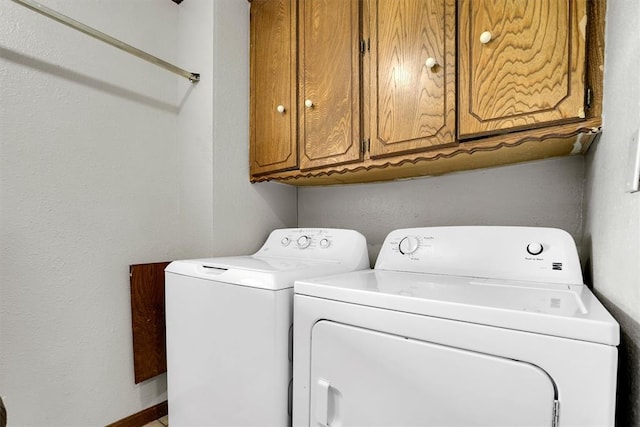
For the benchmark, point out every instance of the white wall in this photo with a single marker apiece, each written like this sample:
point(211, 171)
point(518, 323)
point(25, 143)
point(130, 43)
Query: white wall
point(613, 214)
point(213, 136)
point(195, 128)
point(243, 213)
point(89, 184)
point(612, 226)
point(107, 161)
point(546, 193)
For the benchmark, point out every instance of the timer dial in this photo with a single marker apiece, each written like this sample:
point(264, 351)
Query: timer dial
point(303, 242)
point(409, 245)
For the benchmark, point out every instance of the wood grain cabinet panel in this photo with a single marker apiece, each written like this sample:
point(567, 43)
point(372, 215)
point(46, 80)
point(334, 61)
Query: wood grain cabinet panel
point(412, 75)
point(273, 99)
point(394, 89)
point(522, 64)
point(329, 82)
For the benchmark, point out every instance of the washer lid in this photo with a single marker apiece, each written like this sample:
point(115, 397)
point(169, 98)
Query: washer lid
point(287, 254)
point(257, 272)
point(568, 311)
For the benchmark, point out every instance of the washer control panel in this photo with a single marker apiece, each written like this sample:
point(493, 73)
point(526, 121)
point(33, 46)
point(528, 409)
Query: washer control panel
point(313, 243)
point(517, 253)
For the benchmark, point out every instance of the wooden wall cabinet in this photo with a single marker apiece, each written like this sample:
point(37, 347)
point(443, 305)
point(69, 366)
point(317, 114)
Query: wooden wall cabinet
point(329, 78)
point(390, 89)
point(273, 95)
point(412, 75)
point(522, 64)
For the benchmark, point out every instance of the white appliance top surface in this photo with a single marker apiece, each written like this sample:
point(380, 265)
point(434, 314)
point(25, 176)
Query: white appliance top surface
point(287, 255)
point(524, 278)
point(568, 311)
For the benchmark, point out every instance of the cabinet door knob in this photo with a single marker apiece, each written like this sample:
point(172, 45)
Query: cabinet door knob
point(431, 62)
point(485, 37)
point(308, 103)
point(280, 109)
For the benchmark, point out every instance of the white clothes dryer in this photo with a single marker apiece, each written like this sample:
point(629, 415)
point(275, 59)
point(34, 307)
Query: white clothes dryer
point(456, 326)
point(228, 323)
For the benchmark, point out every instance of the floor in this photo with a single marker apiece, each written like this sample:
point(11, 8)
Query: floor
point(162, 422)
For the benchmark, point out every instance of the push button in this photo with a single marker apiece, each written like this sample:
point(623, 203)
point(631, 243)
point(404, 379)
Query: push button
point(535, 248)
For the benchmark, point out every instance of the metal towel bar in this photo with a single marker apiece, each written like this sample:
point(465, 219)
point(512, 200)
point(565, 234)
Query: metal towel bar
point(49, 13)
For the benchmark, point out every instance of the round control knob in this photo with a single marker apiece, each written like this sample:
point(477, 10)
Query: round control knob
point(280, 109)
point(535, 248)
point(409, 245)
point(303, 242)
point(325, 243)
point(285, 241)
point(485, 37)
point(308, 103)
point(431, 62)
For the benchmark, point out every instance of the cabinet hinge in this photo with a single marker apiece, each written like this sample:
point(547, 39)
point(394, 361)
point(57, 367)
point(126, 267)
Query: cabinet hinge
point(556, 414)
point(588, 97)
point(364, 147)
point(364, 46)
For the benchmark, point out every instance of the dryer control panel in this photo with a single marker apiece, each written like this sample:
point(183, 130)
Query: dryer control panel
point(512, 253)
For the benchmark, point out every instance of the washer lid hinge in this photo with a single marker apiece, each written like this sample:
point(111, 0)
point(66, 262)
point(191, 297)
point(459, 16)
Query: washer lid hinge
point(556, 413)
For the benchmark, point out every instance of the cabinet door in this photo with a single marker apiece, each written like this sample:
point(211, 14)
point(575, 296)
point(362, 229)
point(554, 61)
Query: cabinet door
point(412, 75)
point(329, 82)
point(522, 63)
point(273, 139)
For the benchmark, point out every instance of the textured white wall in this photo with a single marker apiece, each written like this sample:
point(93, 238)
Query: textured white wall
point(195, 129)
point(243, 213)
point(545, 193)
point(612, 219)
point(106, 161)
point(89, 184)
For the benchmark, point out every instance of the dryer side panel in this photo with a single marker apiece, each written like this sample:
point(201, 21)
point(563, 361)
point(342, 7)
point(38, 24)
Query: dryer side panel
point(363, 377)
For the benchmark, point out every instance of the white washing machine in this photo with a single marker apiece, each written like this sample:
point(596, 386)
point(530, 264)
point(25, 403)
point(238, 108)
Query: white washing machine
point(456, 326)
point(229, 323)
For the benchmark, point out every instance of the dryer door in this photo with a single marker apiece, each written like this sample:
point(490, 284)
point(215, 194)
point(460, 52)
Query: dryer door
point(364, 378)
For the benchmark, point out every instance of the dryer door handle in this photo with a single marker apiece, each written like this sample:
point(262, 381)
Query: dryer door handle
point(322, 402)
